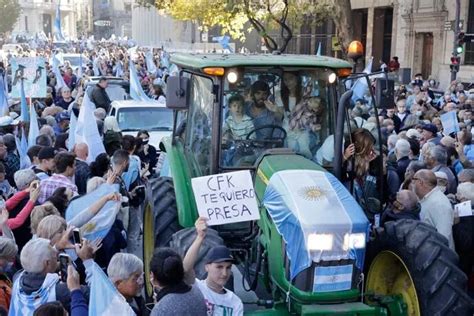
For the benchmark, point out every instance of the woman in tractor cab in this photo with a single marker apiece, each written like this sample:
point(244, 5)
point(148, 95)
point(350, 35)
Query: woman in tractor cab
point(358, 155)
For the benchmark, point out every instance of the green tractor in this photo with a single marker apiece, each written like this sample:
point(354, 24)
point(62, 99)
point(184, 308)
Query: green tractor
point(306, 255)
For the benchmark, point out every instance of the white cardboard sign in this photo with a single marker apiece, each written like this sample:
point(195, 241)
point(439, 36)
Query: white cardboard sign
point(226, 198)
point(463, 209)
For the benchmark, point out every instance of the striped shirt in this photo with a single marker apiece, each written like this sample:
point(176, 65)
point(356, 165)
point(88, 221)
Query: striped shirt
point(49, 185)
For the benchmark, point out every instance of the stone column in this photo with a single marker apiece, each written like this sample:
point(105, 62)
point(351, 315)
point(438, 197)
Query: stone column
point(370, 33)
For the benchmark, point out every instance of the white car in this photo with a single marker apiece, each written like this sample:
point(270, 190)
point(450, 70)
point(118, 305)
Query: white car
point(133, 116)
point(75, 60)
point(118, 88)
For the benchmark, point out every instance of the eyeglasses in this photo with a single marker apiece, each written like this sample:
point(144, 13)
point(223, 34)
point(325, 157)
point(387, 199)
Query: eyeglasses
point(413, 179)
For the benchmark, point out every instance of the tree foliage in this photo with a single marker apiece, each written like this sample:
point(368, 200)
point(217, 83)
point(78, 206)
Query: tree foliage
point(9, 13)
point(274, 20)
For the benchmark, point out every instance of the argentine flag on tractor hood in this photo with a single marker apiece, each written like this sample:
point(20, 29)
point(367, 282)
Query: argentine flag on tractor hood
point(319, 221)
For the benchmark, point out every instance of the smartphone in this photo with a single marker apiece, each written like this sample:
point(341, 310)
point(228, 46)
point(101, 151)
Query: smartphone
point(64, 261)
point(76, 236)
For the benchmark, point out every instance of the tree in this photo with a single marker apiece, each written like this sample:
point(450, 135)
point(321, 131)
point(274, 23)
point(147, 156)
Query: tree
point(9, 13)
point(267, 17)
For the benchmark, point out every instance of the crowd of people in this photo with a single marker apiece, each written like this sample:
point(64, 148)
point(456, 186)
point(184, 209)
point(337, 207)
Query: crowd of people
point(36, 196)
point(427, 171)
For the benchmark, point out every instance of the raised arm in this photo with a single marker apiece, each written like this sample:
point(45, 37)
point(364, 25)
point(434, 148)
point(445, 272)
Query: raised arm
point(193, 251)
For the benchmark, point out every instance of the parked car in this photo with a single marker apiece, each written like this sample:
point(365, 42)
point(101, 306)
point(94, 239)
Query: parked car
point(118, 88)
point(133, 116)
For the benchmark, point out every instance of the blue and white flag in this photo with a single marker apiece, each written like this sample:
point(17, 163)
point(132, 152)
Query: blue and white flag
point(22, 147)
point(318, 52)
point(136, 90)
point(24, 114)
point(150, 63)
point(224, 41)
point(360, 86)
point(100, 225)
point(119, 69)
point(33, 131)
point(105, 300)
point(57, 73)
point(86, 130)
point(4, 108)
point(57, 24)
point(317, 217)
point(71, 141)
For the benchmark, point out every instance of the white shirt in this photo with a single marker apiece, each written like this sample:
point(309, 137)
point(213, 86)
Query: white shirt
point(436, 211)
point(220, 304)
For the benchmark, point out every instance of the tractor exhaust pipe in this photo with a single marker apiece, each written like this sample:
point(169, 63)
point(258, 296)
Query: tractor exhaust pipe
point(339, 134)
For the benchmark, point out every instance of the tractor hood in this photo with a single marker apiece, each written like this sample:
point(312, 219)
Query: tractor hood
point(317, 217)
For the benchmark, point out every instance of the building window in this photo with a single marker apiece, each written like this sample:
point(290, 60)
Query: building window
point(469, 54)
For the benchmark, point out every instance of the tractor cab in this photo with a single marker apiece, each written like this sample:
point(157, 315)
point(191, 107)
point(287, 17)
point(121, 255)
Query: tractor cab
point(241, 107)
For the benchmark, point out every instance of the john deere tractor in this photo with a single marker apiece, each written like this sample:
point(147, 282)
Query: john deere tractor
point(308, 254)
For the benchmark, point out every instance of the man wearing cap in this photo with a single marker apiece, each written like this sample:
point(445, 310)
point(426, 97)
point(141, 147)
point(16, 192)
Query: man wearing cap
point(99, 96)
point(62, 123)
point(219, 300)
point(430, 134)
point(46, 163)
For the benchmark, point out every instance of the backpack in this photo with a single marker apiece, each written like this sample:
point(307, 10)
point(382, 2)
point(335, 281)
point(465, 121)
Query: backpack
point(5, 291)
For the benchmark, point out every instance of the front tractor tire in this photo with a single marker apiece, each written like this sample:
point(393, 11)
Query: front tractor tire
point(413, 260)
point(183, 239)
point(160, 222)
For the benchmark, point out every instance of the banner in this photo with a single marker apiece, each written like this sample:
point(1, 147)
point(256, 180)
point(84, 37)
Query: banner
point(32, 70)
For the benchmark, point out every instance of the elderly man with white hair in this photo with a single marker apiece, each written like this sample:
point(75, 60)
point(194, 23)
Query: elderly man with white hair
point(126, 273)
point(463, 229)
point(39, 283)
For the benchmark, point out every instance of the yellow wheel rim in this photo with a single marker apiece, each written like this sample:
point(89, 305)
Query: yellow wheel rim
point(388, 275)
point(148, 246)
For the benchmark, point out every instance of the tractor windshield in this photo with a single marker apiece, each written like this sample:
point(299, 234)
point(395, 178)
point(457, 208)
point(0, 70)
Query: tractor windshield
point(287, 108)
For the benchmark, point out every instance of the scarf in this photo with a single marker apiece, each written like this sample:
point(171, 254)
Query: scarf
point(179, 288)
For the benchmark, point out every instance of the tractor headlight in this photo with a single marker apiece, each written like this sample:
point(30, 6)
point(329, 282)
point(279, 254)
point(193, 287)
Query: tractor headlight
point(332, 77)
point(320, 241)
point(354, 241)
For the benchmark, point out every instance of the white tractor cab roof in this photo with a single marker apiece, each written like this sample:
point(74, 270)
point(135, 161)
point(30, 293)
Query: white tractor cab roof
point(152, 116)
point(118, 88)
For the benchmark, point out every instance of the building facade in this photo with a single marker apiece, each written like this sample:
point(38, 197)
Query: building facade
point(419, 32)
point(112, 17)
point(38, 16)
point(153, 28)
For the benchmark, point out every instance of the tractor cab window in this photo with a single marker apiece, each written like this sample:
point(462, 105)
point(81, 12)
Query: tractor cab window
point(279, 109)
point(198, 143)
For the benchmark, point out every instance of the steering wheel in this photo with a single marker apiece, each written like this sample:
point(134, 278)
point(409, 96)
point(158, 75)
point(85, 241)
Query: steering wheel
point(276, 141)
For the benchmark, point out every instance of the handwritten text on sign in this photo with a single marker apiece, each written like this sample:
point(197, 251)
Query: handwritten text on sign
point(226, 198)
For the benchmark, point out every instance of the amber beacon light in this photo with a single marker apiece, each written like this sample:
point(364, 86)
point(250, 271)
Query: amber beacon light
point(355, 50)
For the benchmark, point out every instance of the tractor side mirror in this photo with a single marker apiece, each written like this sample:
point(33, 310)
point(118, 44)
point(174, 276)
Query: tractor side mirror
point(384, 93)
point(177, 93)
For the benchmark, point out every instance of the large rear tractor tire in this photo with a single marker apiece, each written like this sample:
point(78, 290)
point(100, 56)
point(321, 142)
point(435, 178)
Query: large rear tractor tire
point(183, 239)
point(413, 260)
